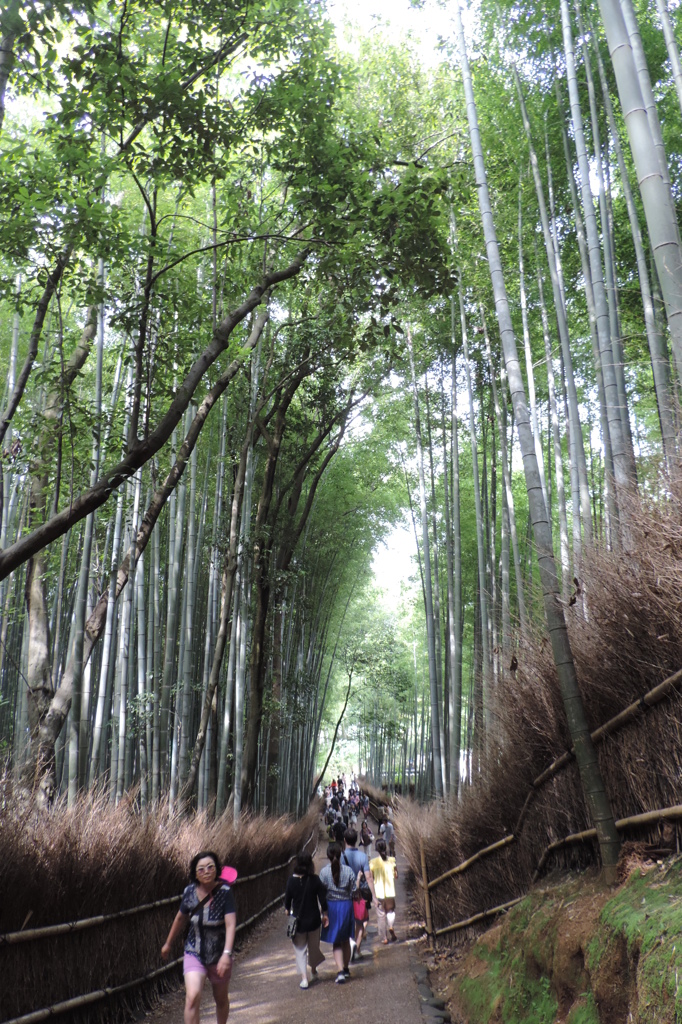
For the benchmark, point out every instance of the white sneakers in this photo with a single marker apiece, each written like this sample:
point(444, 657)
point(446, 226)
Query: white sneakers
point(304, 983)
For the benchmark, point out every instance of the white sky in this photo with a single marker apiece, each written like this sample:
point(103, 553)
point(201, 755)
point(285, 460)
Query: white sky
point(423, 25)
point(393, 564)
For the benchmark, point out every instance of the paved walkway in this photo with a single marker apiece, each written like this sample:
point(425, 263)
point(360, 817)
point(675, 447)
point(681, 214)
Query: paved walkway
point(265, 984)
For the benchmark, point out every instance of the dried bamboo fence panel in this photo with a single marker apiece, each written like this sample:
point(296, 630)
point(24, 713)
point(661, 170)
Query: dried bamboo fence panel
point(649, 700)
point(641, 759)
point(590, 834)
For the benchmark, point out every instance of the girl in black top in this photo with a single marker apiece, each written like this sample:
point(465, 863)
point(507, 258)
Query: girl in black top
point(304, 898)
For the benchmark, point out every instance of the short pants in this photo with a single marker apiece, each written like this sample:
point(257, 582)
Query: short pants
point(191, 964)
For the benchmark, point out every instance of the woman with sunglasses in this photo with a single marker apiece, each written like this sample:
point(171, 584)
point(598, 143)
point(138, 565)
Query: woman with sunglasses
point(208, 904)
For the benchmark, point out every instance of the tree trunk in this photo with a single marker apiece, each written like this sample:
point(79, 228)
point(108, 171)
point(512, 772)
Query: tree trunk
point(96, 496)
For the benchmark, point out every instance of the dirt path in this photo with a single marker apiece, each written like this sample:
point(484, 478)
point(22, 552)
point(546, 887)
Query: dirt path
point(264, 989)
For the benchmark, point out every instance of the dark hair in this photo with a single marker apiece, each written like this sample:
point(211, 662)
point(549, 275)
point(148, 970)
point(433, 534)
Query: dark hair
point(351, 836)
point(334, 855)
point(381, 848)
point(200, 856)
point(304, 864)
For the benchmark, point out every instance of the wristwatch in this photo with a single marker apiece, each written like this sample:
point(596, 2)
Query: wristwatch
point(229, 953)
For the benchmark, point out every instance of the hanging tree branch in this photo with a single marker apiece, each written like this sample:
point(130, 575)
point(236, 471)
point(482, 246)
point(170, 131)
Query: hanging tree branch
point(97, 495)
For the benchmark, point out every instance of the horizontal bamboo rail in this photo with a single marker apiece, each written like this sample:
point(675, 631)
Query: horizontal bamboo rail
point(577, 837)
point(479, 917)
point(49, 931)
point(90, 997)
point(636, 820)
point(471, 860)
point(648, 700)
point(379, 808)
point(93, 997)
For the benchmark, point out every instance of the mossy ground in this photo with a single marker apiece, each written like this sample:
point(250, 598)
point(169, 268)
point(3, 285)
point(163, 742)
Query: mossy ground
point(575, 953)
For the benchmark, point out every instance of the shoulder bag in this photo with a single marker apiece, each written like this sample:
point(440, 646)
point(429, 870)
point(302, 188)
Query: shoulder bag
point(292, 921)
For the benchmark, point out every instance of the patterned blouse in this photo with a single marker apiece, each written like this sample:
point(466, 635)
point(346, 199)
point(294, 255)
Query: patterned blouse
point(206, 936)
point(342, 891)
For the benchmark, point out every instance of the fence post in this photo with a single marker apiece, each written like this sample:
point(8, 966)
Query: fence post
point(427, 897)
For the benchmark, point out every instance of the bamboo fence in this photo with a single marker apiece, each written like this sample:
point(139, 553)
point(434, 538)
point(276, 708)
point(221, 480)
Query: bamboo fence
point(635, 820)
point(649, 700)
point(29, 934)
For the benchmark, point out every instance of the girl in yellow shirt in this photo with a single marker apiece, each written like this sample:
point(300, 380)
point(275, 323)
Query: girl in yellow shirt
point(384, 873)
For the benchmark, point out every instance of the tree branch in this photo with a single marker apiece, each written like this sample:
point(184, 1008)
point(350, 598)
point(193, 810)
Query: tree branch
point(53, 279)
point(97, 495)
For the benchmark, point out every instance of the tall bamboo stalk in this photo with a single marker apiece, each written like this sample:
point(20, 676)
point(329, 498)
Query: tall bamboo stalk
point(556, 441)
point(660, 364)
point(428, 589)
point(453, 549)
point(187, 667)
point(436, 598)
point(621, 462)
point(576, 450)
point(506, 477)
point(480, 548)
point(530, 375)
point(609, 258)
point(124, 656)
point(641, 121)
point(593, 787)
point(671, 46)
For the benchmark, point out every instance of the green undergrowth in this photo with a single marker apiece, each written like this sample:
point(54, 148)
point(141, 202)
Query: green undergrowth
point(576, 953)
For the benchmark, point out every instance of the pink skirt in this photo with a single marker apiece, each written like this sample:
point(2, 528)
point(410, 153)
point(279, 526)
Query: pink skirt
point(192, 965)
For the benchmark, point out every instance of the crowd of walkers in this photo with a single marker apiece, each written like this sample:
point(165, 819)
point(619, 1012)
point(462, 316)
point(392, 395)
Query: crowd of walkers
point(334, 907)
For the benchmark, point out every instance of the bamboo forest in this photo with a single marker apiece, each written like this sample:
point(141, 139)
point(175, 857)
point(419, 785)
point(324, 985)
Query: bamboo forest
point(277, 289)
point(340, 436)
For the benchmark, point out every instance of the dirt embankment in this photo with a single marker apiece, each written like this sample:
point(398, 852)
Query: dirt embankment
point(574, 953)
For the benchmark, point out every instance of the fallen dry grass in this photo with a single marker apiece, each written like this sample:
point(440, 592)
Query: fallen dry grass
point(627, 641)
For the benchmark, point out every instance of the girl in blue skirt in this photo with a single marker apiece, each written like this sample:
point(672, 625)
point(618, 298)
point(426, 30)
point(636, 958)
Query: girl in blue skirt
point(339, 880)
